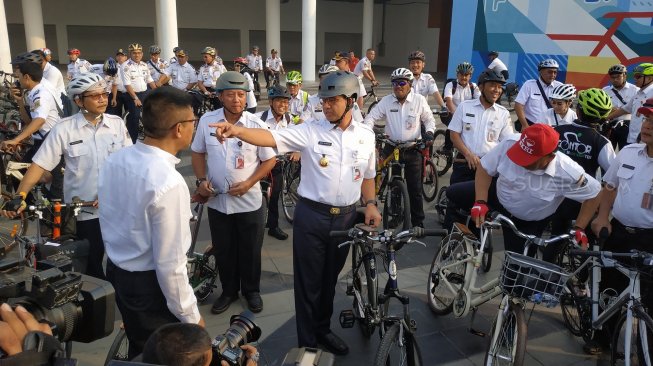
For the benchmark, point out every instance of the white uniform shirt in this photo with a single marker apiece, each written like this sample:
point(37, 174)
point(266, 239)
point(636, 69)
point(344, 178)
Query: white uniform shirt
point(462, 92)
point(274, 63)
point(425, 85)
point(532, 99)
point(84, 148)
point(147, 227)
point(481, 129)
point(222, 159)
point(119, 77)
point(255, 62)
point(363, 65)
point(636, 119)
point(349, 153)
point(627, 93)
point(535, 195)
point(272, 123)
point(43, 103)
point(54, 76)
point(299, 105)
point(181, 75)
point(209, 74)
point(632, 173)
point(251, 97)
point(136, 74)
point(316, 111)
point(549, 117)
point(497, 65)
point(161, 65)
point(403, 121)
point(80, 66)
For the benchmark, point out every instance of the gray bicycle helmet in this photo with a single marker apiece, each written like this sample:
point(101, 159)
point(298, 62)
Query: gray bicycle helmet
point(27, 57)
point(465, 68)
point(491, 75)
point(549, 63)
point(617, 69)
point(339, 83)
point(278, 91)
point(232, 80)
point(154, 49)
point(209, 51)
point(326, 68)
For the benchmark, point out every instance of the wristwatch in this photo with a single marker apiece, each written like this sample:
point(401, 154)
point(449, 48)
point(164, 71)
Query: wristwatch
point(374, 202)
point(199, 181)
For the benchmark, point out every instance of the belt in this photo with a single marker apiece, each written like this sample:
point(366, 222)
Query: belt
point(328, 209)
point(633, 230)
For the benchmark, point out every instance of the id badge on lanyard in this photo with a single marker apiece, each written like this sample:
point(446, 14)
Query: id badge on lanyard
point(647, 198)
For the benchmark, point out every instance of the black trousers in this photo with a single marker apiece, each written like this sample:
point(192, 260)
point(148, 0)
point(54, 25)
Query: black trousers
point(117, 110)
point(237, 240)
point(412, 160)
point(141, 303)
point(254, 75)
point(90, 230)
point(317, 261)
point(560, 224)
point(462, 196)
point(461, 172)
point(273, 205)
point(134, 113)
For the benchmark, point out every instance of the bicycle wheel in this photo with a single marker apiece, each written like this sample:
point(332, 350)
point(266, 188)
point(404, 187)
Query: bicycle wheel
point(119, 348)
point(395, 351)
point(510, 339)
point(10, 228)
point(439, 295)
point(486, 259)
point(441, 204)
point(206, 275)
point(396, 209)
point(572, 313)
point(641, 339)
point(289, 195)
point(442, 159)
point(372, 106)
point(429, 181)
point(363, 287)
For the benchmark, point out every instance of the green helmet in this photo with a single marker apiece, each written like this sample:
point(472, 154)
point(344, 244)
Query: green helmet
point(294, 77)
point(232, 80)
point(595, 103)
point(645, 69)
point(339, 83)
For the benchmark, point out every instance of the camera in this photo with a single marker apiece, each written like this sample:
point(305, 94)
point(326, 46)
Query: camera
point(78, 307)
point(242, 330)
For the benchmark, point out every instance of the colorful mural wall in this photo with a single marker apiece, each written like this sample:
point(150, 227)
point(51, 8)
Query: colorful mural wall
point(586, 37)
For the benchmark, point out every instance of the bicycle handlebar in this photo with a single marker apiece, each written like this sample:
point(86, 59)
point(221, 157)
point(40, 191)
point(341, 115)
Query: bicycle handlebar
point(76, 203)
point(647, 258)
point(496, 216)
point(360, 231)
point(401, 144)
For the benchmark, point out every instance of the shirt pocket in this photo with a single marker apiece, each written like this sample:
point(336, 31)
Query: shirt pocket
point(536, 96)
point(78, 157)
point(492, 132)
point(625, 173)
point(250, 153)
point(468, 124)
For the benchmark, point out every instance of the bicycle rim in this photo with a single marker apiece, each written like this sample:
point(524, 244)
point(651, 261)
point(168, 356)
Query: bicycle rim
point(396, 209)
point(641, 339)
point(397, 349)
point(361, 282)
point(570, 313)
point(441, 204)
point(206, 275)
point(429, 182)
point(119, 349)
point(439, 296)
point(289, 196)
point(510, 345)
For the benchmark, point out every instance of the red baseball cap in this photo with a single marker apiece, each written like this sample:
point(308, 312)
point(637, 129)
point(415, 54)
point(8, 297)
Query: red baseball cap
point(535, 142)
point(647, 108)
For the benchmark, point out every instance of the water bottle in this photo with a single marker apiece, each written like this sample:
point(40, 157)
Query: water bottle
point(547, 300)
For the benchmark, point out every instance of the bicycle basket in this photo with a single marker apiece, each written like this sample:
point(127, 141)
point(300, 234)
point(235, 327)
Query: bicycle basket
point(522, 276)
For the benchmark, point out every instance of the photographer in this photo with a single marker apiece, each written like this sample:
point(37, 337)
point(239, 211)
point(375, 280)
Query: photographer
point(184, 344)
point(25, 341)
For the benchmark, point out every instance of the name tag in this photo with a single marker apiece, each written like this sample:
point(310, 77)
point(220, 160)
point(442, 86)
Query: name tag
point(470, 115)
point(212, 134)
point(394, 110)
point(538, 94)
point(76, 142)
point(324, 143)
point(630, 167)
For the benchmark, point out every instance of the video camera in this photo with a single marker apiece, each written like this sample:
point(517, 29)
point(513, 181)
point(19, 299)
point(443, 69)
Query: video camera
point(78, 307)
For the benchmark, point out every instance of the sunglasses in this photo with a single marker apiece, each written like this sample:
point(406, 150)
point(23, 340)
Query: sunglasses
point(399, 83)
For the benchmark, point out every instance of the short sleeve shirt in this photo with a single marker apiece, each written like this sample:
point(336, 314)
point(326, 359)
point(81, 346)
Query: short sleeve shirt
point(532, 99)
point(425, 85)
point(137, 75)
point(481, 129)
point(552, 119)
point(627, 93)
point(208, 74)
point(181, 75)
point(43, 104)
point(363, 65)
point(462, 92)
point(274, 63)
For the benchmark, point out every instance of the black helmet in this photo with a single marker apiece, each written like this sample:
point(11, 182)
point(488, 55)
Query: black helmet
point(494, 53)
point(27, 57)
point(278, 91)
point(491, 75)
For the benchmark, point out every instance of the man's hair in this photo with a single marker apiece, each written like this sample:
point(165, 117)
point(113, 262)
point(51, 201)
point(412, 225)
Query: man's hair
point(40, 53)
point(179, 344)
point(157, 107)
point(32, 69)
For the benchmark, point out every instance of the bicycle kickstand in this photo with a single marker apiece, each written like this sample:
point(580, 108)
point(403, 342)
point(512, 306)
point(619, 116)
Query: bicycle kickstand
point(471, 328)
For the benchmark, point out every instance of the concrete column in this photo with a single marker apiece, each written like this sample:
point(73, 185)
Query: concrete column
point(33, 20)
point(5, 52)
point(320, 48)
point(309, 19)
point(368, 25)
point(272, 26)
point(244, 44)
point(62, 44)
point(166, 27)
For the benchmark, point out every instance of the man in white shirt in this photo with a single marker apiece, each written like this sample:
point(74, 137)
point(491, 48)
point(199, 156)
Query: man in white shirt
point(255, 62)
point(273, 67)
point(621, 92)
point(208, 75)
point(497, 65)
point(156, 64)
point(119, 97)
point(424, 83)
point(77, 65)
point(363, 68)
point(561, 112)
point(181, 74)
point(643, 75)
point(53, 76)
point(407, 114)
point(533, 97)
point(145, 228)
point(298, 97)
point(228, 178)
point(135, 78)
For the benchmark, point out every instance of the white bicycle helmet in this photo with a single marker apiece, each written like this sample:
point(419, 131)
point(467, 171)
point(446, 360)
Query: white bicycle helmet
point(326, 68)
point(84, 82)
point(402, 73)
point(617, 69)
point(563, 92)
point(549, 63)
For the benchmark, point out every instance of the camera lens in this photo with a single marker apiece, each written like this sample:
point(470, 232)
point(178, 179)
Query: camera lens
point(64, 319)
point(243, 329)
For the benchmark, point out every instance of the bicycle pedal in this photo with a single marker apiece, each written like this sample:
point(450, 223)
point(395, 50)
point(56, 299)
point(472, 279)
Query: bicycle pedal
point(350, 290)
point(347, 319)
point(477, 333)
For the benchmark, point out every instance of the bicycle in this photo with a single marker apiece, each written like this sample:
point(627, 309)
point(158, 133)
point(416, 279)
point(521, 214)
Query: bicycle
point(429, 174)
point(371, 96)
point(9, 110)
point(390, 175)
point(371, 309)
point(291, 177)
point(443, 158)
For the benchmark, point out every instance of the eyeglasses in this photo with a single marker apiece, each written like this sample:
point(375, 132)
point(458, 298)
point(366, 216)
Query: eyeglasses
point(226, 191)
point(194, 120)
point(399, 83)
point(97, 97)
point(329, 100)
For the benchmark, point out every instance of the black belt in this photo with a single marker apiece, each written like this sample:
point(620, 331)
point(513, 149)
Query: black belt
point(328, 209)
point(632, 230)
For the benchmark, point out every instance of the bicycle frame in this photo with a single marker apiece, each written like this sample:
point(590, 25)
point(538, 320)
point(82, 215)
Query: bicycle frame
point(389, 164)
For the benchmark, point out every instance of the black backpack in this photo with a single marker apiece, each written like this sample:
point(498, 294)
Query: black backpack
point(454, 85)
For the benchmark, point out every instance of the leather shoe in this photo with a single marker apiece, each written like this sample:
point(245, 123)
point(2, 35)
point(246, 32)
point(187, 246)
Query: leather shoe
point(222, 303)
point(333, 343)
point(278, 233)
point(254, 302)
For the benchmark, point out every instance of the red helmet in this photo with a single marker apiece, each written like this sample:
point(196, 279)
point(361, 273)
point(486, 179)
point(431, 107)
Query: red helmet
point(240, 60)
point(73, 51)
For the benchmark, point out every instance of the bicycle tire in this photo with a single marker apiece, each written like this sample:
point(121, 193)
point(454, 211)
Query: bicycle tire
point(396, 207)
point(571, 313)
point(441, 204)
point(361, 270)
point(442, 160)
point(511, 337)
point(409, 354)
point(207, 273)
point(372, 106)
point(638, 355)
point(119, 349)
point(10, 228)
point(289, 195)
point(486, 259)
point(429, 181)
point(439, 296)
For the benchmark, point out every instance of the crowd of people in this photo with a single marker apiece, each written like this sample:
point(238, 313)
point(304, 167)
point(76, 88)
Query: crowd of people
point(547, 173)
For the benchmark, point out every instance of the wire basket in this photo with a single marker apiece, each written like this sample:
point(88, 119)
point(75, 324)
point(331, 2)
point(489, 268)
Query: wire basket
point(522, 276)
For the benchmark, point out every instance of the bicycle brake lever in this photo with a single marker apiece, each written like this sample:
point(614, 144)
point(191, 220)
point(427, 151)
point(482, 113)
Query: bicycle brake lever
point(418, 242)
point(345, 243)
